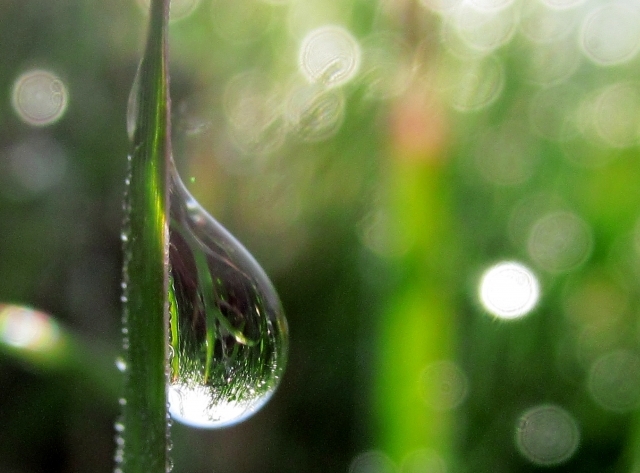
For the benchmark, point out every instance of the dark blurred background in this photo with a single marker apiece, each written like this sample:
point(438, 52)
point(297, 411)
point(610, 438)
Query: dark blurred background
point(445, 193)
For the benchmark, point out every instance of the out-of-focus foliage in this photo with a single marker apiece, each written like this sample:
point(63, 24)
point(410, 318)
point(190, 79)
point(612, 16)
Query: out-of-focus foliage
point(445, 193)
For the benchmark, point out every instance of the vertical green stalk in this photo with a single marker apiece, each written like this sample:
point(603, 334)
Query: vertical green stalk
point(144, 430)
point(417, 328)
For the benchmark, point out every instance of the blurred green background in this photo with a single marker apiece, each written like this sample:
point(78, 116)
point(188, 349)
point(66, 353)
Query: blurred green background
point(446, 194)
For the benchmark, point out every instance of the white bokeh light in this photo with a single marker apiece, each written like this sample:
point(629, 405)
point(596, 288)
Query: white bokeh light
point(553, 63)
point(490, 5)
point(329, 55)
point(36, 165)
point(610, 34)
point(314, 113)
point(509, 290)
point(614, 381)
point(616, 114)
point(560, 241)
point(506, 155)
point(372, 461)
point(27, 329)
point(562, 4)
point(476, 85)
point(442, 7)
point(540, 24)
point(484, 30)
point(444, 385)
point(39, 97)
point(547, 435)
point(253, 108)
point(386, 67)
point(423, 461)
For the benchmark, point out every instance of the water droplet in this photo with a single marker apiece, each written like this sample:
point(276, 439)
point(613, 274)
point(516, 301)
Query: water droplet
point(228, 330)
point(39, 97)
point(132, 109)
point(121, 365)
point(547, 435)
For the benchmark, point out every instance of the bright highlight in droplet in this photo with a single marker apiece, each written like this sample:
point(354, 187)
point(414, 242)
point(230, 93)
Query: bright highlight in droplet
point(547, 435)
point(39, 97)
point(509, 290)
point(27, 329)
point(329, 55)
point(194, 406)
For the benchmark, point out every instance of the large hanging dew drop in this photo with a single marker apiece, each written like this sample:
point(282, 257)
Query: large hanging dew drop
point(228, 332)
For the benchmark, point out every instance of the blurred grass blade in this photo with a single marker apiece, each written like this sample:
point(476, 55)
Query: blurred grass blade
point(419, 384)
point(36, 340)
point(143, 444)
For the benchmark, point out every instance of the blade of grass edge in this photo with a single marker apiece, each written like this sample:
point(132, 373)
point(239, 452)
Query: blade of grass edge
point(142, 445)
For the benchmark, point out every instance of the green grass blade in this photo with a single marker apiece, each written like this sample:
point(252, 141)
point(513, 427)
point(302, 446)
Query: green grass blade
point(143, 447)
point(37, 341)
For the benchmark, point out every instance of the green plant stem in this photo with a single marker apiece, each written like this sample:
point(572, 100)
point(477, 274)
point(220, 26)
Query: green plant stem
point(144, 418)
point(418, 324)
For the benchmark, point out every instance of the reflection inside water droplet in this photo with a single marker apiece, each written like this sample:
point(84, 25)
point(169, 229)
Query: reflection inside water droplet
point(228, 330)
